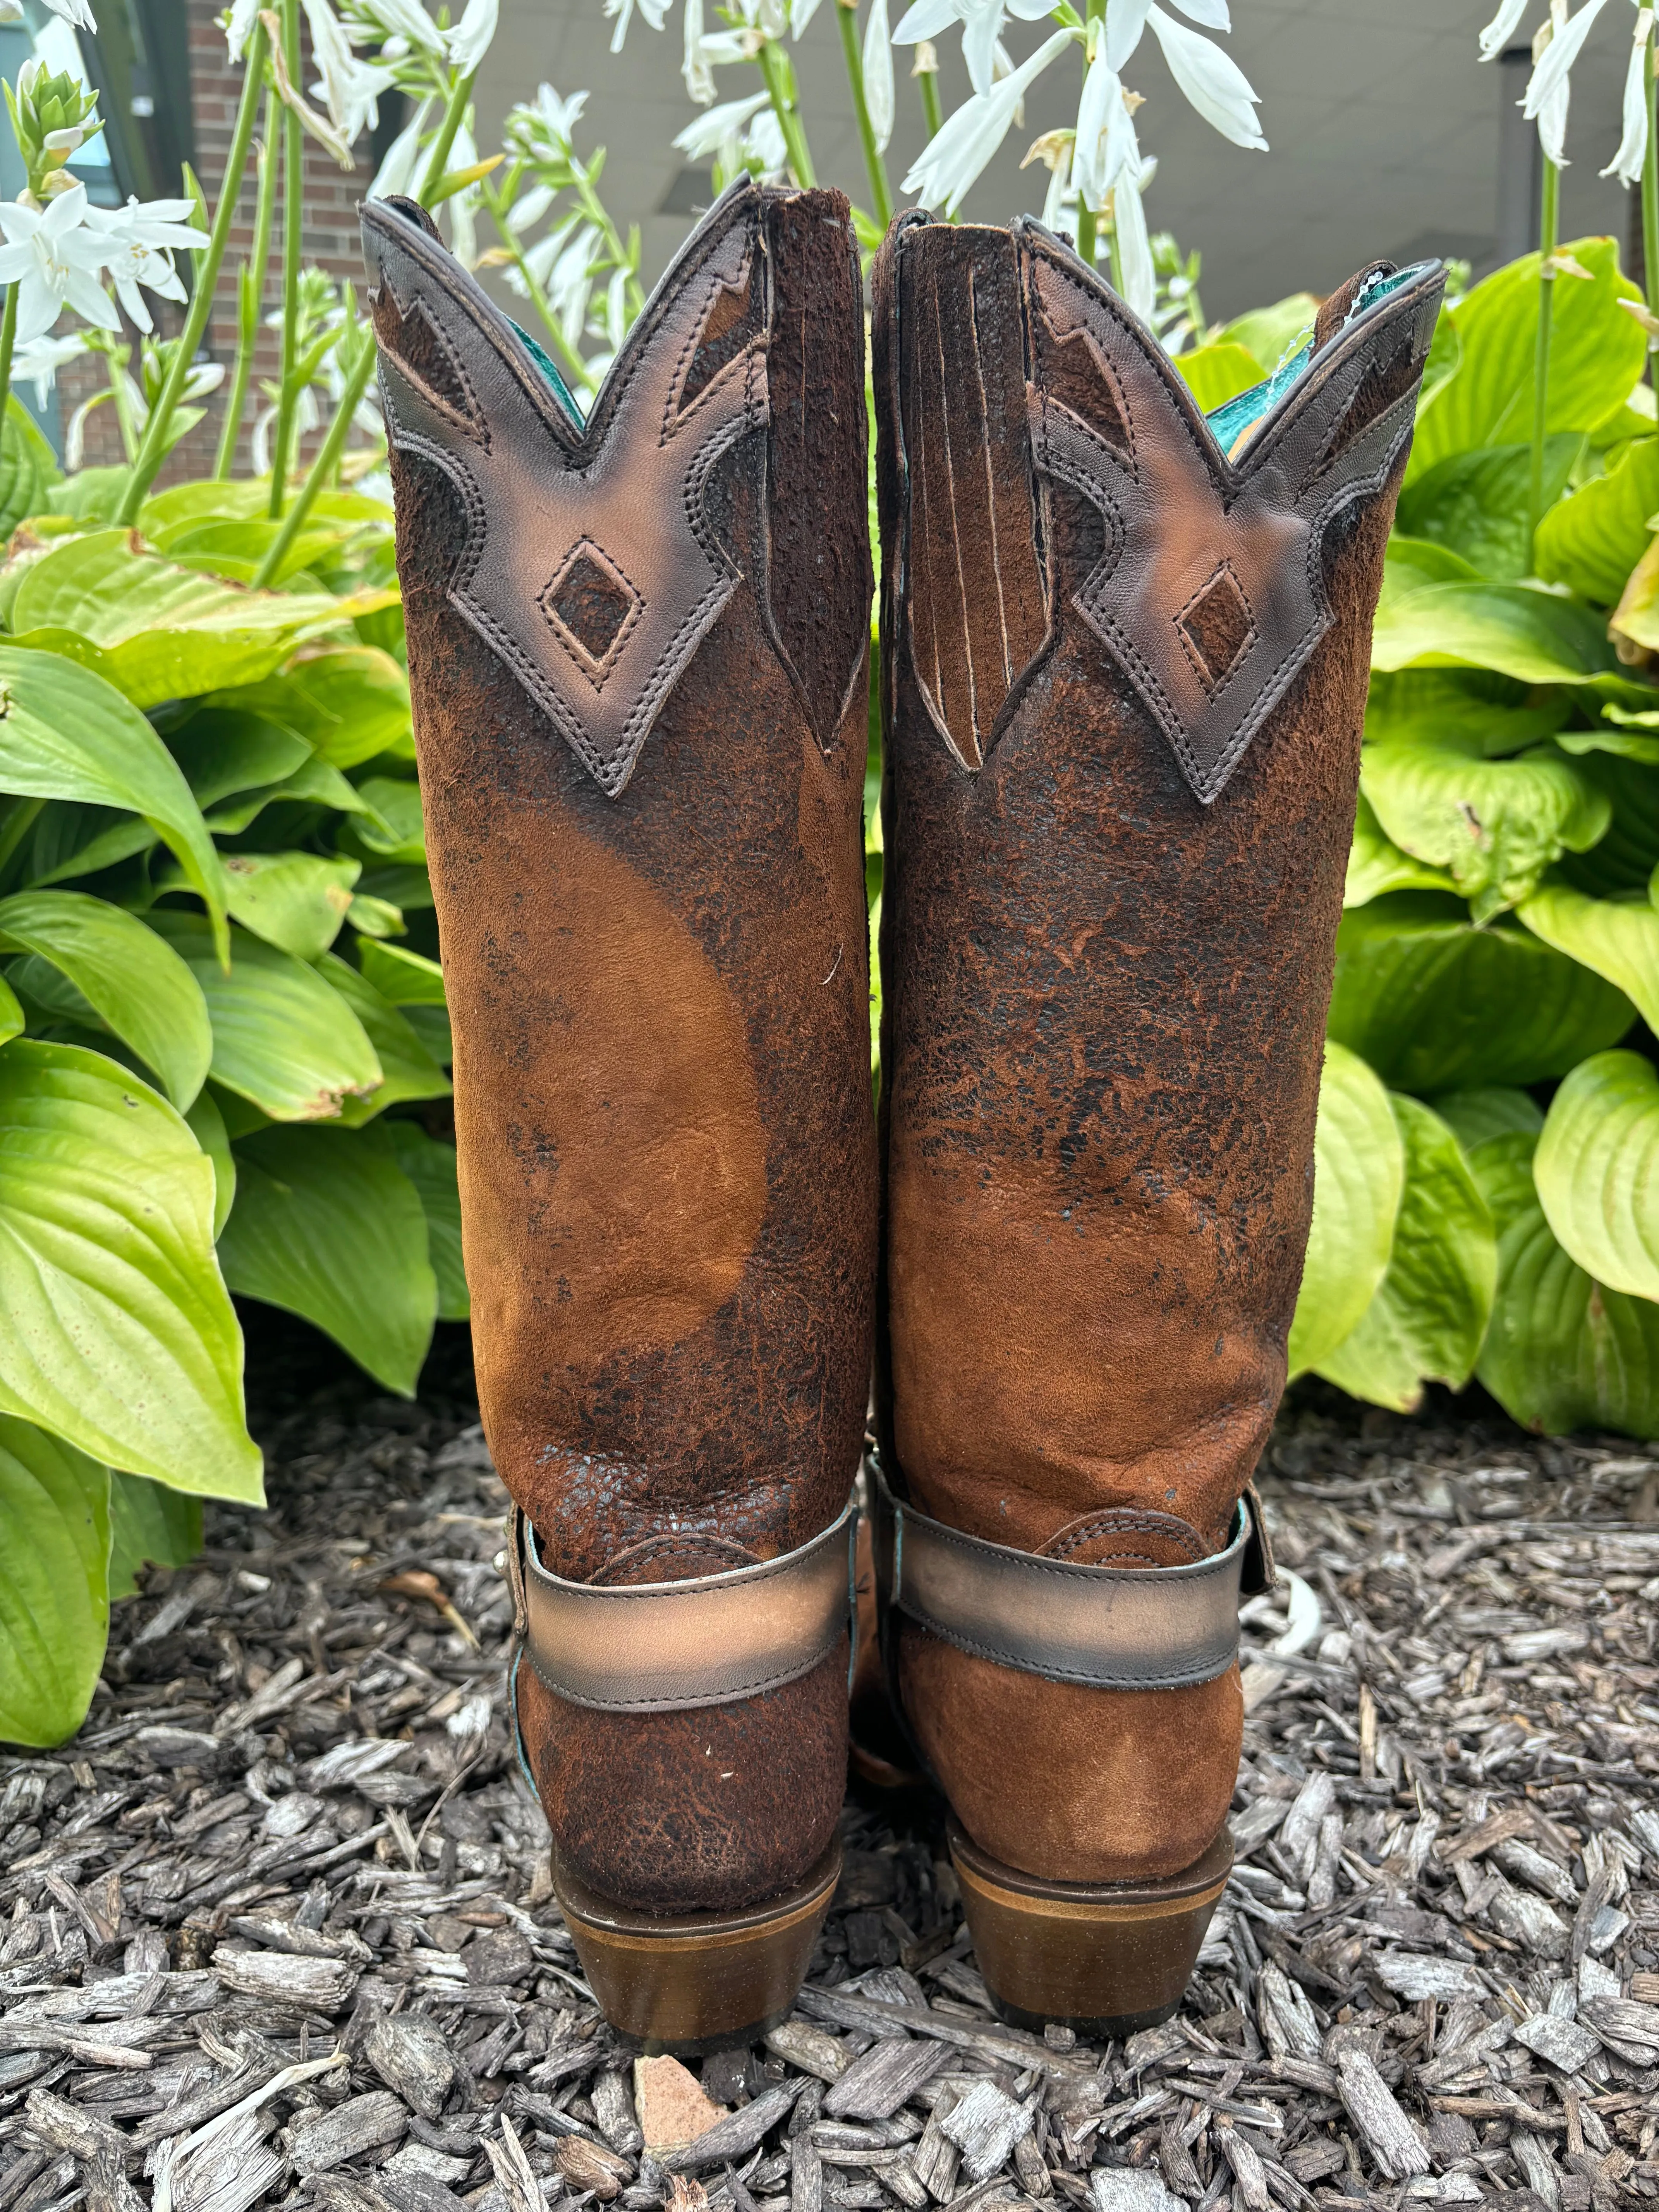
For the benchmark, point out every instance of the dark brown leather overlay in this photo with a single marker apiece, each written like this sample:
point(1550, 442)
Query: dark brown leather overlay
point(590, 566)
point(1209, 594)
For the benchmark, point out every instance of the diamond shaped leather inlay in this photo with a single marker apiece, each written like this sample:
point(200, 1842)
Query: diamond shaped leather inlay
point(592, 607)
point(1216, 627)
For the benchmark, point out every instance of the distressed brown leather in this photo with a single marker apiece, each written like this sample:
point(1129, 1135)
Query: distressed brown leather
point(1104, 999)
point(654, 940)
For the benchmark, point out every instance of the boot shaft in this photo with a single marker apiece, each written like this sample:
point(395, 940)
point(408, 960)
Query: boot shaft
point(637, 653)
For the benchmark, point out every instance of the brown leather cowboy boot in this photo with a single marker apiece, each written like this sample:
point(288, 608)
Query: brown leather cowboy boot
point(637, 648)
point(1125, 659)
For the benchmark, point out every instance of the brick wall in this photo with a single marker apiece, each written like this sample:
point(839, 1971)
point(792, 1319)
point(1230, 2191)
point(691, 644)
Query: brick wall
point(328, 240)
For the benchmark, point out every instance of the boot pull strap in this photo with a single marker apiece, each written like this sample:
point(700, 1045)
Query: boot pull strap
point(671, 1647)
point(1110, 1628)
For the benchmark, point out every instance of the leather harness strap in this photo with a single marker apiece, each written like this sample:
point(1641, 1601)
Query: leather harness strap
point(1110, 1628)
point(669, 1647)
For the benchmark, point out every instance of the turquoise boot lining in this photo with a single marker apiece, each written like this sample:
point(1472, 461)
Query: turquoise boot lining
point(1239, 415)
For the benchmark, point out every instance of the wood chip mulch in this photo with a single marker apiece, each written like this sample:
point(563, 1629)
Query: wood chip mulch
point(277, 1926)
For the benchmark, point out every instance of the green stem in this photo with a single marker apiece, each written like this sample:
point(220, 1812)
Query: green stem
point(599, 216)
point(459, 92)
point(1549, 221)
point(154, 446)
point(328, 456)
point(875, 167)
point(780, 81)
point(927, 84)
point(497, 202)
point(1087, 236)
point(293, 201)
point(117, 391)
point(251, 297)
point(7, 347)
point(1650, 200)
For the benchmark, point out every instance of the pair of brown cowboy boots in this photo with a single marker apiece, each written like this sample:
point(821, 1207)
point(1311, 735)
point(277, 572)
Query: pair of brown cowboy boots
point(1123, 669)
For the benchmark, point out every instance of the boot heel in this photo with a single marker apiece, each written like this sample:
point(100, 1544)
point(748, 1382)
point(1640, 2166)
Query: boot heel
point(695, 1982)
point(1104, 1958)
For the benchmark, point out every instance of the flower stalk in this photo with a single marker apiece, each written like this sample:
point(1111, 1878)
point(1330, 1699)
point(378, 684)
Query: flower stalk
point(779, 77)
point(287, 397)
point(875, 167)
point(7, 347)
point(154, 448)
point(925, 73)
point(454, 112)
point(1548, 228)
point(1087, 239)
point(251, 295)
point(1651, 190)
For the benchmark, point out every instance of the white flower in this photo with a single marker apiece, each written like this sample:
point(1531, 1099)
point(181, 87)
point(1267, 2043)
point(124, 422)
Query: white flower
point(879, 74)
point(1213, 81)
point(694, 68)
point(138, 240)
point(1549, 86)
point(1060, 201)
point(1626, 163)
point(543, 127)
point(463, 206)
point(1127, 19)
point(39, 362)
point(527, 210)
point(351, 89)
point(396, 172)
point(570, 283)
point(405, 19)
point(238, 21)
point(1134, 250)
point(957, 156)
point(623, 11)
point(703, 137)
point(469, 42)
point(616, 309)
point(1501, 29)
point(53, 258)
point(763, 145)
point(73, 12)
point(801, 13)
point(1106, 140)
point(981, 22)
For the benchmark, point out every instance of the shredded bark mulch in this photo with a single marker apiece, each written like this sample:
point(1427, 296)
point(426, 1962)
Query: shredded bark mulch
point(277, 1926)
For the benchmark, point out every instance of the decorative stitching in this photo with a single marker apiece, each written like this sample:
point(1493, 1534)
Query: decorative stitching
point(595, 667)
point(740, 384)
point(1068, 448)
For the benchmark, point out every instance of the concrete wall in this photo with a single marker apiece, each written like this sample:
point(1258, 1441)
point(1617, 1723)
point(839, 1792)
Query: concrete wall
point(1385, 132)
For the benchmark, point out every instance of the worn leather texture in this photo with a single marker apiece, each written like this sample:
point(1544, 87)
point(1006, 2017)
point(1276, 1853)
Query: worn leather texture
point(1104, 1009)
point(659, 996)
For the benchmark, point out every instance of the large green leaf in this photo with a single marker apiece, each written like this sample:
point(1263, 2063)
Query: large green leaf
point(1619, 938)
point(1623, 861)
point(1535, 636)
point(182, 508)
point(1597, 1170)
point(1562, 1350)
point(54, 1591)
point(1428, 1319)
point(207, 1126)
point(1594, 538)
point(11, 1014)
point(27, 465)
point(156, 630)
point(281, 1036)
point(328, 1225)
point(132, 978)
point(1494, 825)
point(1377, 864)
point(409, 1069)
point(64, 733)
point(294, 900)
point(348, 703)
point(1478, 504)
point(1415, 704)
point(1475, 1115)
point(1269, 333)
point(222, 752)
point(403, 978)
point(430, 1166)
point(115, 1330)
point(1359, 1169)
point(398, 833)
point(1597, 353)
point(150, 1526)
point(1436, 1003)
point(1218, 372)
